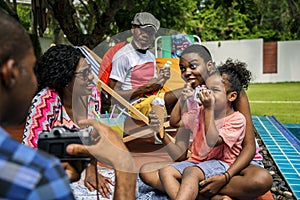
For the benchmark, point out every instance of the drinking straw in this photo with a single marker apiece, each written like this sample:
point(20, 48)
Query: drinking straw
point(96, 114)
point(122, 111)
point(107, 116)
point(112, 111)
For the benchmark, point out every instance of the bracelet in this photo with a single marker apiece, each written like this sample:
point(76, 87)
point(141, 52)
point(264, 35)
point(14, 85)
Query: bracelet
point(227, 176)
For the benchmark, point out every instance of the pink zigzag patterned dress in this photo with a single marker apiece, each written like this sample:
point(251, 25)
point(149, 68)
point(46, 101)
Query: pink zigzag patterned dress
point(47, 111)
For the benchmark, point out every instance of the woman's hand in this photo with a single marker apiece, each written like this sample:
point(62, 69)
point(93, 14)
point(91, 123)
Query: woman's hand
point(187, 92)
point(212, 185)
point(103, 182)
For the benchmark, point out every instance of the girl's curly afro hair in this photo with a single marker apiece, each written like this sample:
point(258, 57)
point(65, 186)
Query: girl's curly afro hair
point(56, 67)
point(238, 75)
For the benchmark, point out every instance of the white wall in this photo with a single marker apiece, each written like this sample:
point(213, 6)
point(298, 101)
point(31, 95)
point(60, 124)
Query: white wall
point(248, 51)
point(288, 61)
point(251, 52)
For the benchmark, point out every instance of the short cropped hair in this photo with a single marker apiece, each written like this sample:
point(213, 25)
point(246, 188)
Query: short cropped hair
point(15, 41)
point(201, 50)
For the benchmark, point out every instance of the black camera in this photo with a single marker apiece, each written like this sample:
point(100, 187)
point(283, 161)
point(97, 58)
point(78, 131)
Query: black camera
point(55, 141)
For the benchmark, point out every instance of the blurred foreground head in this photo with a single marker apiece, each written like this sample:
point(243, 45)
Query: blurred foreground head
point(18, 82)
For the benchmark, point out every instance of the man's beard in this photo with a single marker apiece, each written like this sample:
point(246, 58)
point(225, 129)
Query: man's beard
point(145, 47)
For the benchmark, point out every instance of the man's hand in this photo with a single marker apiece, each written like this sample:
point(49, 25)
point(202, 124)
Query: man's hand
point(109, 148)
point(165, 73)
point(163, 76)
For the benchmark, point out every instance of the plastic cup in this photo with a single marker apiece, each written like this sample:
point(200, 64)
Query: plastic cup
point(117, 124)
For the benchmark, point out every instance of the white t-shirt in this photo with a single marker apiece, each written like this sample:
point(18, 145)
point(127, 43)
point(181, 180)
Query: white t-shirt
point(132, 68)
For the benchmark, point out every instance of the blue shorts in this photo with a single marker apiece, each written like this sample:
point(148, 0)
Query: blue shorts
point(209, 167)
point(257, 162)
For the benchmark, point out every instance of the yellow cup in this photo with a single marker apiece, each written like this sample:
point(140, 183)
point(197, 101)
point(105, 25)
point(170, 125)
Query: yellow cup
point(117, 124)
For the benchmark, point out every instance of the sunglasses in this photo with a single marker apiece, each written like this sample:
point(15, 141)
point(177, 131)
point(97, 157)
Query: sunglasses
point(85, 73)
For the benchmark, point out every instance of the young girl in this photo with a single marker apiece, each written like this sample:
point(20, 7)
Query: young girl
point(245, 181)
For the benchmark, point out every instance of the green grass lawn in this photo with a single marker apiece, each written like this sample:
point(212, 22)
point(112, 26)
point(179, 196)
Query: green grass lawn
point(281, 100)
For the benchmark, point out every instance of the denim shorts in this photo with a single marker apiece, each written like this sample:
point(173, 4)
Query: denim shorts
point(257, 162)
point(209, 168)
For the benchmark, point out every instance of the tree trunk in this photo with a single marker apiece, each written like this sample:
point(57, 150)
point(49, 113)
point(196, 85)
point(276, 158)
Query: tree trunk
point(63, 12)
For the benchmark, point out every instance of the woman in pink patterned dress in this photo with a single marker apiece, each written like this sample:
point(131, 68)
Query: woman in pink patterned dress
point(66, 94)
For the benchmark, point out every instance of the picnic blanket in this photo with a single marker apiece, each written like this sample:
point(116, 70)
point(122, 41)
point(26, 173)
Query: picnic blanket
point(82, 193)
point(143, 191)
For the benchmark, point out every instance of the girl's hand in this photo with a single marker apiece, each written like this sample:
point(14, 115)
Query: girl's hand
point(207, 98)
point(154, 121)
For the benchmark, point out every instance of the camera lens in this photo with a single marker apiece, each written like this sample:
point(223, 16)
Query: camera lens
point(57, 131)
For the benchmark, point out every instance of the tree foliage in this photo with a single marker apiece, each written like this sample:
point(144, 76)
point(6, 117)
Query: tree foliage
point(25, 13)
point(90, 22)
point(240, 19)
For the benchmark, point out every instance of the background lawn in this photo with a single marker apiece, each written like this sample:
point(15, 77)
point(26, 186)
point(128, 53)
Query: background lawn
point(281, 100)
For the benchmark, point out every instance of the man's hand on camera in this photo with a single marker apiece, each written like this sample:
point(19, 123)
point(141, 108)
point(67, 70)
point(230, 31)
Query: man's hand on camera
point(109, 149)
